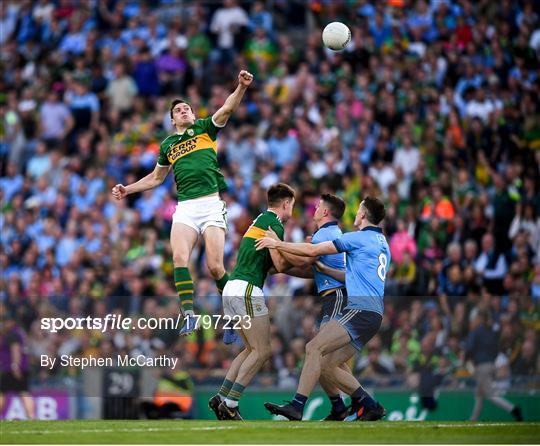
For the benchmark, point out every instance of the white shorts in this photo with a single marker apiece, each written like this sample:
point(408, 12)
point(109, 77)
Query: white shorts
point(240, 298)
point(199, 213)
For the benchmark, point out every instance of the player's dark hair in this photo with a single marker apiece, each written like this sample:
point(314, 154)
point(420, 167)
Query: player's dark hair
point(375, 210)
point(175, 103)
point(279, 192)
point(335, 204)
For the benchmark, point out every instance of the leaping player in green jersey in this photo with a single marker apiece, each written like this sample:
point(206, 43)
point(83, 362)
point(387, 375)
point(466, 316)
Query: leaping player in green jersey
point(192, 154)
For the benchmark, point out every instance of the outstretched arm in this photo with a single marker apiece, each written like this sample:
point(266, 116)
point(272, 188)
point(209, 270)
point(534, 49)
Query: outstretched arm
point(280, 264)
point(221, 117)
point(298, 271)
point(298, 262)
point(150, 181)
point(300, 249)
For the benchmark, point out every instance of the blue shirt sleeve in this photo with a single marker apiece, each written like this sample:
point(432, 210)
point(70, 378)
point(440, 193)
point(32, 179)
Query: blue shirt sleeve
point(346, 242)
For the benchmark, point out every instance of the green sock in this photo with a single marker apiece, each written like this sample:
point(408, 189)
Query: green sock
point(236, 392)
point(220, 283)
point(225, 388)
point(184, 287)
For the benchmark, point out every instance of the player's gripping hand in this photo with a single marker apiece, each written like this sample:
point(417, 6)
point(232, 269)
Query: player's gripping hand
point(119, 191)
point(271, 234)
point(266, 242)
point(245, 78)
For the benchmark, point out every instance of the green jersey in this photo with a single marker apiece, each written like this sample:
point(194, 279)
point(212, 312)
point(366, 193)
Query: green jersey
point(193, 156)
point(251, 265)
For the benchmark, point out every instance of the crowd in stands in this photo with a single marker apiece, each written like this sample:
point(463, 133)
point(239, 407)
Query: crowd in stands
point(434, 106)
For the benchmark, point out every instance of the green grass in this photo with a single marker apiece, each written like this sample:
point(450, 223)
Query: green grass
point(261, 432)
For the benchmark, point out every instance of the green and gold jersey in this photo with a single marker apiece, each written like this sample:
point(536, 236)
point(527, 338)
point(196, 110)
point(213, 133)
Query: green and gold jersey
point(193, 156)
point(251, 265)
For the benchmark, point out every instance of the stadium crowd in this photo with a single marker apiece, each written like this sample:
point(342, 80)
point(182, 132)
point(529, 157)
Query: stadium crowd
point(433, 106)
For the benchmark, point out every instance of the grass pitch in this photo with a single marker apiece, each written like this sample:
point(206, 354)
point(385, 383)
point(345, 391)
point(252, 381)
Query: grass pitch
point(263, 432)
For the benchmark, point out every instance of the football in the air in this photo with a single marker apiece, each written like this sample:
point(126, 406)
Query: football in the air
point(336, 36)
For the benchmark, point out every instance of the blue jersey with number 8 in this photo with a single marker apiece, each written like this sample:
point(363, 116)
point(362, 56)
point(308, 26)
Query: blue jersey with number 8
point(368, 259)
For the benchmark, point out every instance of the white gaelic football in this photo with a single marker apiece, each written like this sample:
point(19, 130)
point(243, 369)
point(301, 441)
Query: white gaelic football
point(336, 36)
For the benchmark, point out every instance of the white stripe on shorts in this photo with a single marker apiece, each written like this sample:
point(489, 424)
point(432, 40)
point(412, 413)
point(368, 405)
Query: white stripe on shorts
point(340, 303)
point(337, 304)
point(347, 317)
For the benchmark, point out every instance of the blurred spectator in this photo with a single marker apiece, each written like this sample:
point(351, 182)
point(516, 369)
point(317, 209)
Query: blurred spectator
point(282, 146)
point(428, 372)
point(226, 23)
point(491, 265)
point(55, 119)
point(527, 363)
point(407, 157)
point(482, 348)
point(402, 242)
point(122, 90)
point(14, 371)
point(11, 183)
point(260, 52)
point(74, 41)
point(260, 18)
point(526, 221)
point(84, 105)
point(145, 74)
point(376, 362)
point(198, 49)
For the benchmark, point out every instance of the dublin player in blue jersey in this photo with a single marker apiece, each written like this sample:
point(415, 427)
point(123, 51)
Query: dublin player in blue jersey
point(332, 292)
point(367, 260)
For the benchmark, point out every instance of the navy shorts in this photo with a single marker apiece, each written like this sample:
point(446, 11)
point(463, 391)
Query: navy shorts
point(332, 305)
point(361, 325)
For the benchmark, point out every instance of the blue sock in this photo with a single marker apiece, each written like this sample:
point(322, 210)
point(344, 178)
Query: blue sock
point(337, 403)
point(299, 401)
point(362, 398)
